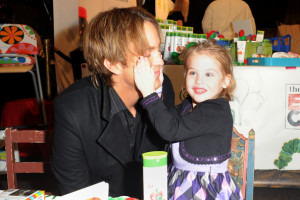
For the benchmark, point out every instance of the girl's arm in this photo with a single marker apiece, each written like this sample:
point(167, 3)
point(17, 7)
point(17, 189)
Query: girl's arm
point(204, 119)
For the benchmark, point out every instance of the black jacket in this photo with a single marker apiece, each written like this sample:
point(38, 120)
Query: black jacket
point(206, 131)
point(89, 147)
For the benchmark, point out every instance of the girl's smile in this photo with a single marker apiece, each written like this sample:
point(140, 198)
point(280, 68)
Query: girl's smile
point(204, 78)
point(199, 91)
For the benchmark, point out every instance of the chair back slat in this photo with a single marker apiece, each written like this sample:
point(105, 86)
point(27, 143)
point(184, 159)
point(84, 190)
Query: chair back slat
point(28, 136)
point(14, 136)
point(17, 39)
point(10, 158)
point(31, 167)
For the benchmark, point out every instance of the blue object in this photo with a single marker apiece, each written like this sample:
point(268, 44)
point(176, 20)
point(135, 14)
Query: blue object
point(286, 62)
point(223, 43)
point(281, 46)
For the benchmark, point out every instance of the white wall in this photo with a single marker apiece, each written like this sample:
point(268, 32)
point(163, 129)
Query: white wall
point(66, 39)
point(95, 6)
point(66, 31)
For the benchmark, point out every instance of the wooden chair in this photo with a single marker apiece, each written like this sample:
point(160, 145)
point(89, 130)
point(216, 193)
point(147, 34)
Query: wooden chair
point(241, 163)
point(18, 54)
point(14, 136)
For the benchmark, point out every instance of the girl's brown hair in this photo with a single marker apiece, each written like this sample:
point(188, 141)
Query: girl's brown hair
point(115, 35)
point(210, 47)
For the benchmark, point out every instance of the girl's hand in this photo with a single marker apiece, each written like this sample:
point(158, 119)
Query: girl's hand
point(161, 79)
point(144, 77)
point(161, 76)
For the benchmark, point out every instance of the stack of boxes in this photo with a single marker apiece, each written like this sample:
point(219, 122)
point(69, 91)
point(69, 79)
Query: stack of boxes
point(175, 38)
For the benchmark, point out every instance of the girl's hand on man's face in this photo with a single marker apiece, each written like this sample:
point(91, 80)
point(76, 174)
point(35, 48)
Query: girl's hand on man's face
point(144, 76)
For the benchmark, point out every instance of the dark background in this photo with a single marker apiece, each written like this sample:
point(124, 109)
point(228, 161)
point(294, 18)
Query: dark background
point(267, 13)
point(31, 12)
point(38, 14)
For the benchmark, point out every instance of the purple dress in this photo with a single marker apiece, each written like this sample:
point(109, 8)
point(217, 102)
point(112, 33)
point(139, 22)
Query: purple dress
point(200, 181)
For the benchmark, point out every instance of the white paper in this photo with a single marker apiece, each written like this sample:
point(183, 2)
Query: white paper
point(99, 190)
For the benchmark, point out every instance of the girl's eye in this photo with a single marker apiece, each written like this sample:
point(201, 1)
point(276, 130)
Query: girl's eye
point(192, 73)
point(209, 75)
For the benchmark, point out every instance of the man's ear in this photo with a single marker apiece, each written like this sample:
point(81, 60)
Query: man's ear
point(115, 69)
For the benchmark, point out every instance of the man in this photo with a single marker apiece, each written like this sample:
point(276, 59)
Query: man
point(100, 128)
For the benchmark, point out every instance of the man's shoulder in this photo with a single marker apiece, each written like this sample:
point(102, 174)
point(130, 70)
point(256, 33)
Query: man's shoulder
point(82, 88)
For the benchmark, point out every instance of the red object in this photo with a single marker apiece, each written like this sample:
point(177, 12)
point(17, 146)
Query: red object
point(23, 48)
point(24, 112)
point(210, 33)
point(241, 33)
point(253, 38)
point(82, 12)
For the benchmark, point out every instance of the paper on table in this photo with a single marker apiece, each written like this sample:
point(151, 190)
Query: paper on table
point(22, 194)
point(93, 192)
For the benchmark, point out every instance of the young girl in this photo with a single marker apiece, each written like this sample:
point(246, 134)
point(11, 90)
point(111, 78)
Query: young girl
point(201, 133)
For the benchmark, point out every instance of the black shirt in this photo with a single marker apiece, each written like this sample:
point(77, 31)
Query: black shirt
point(129, 122)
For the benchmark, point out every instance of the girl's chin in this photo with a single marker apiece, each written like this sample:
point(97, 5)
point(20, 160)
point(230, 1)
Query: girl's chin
point(196, 101)
point(156, 74)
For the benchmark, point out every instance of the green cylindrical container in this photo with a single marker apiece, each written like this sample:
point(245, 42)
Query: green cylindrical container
point(167, 48)
point(155, 175)
point(155, 159)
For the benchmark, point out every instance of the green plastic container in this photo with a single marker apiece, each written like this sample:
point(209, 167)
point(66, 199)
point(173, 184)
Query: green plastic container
point(155, 159)
point(155, 181)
